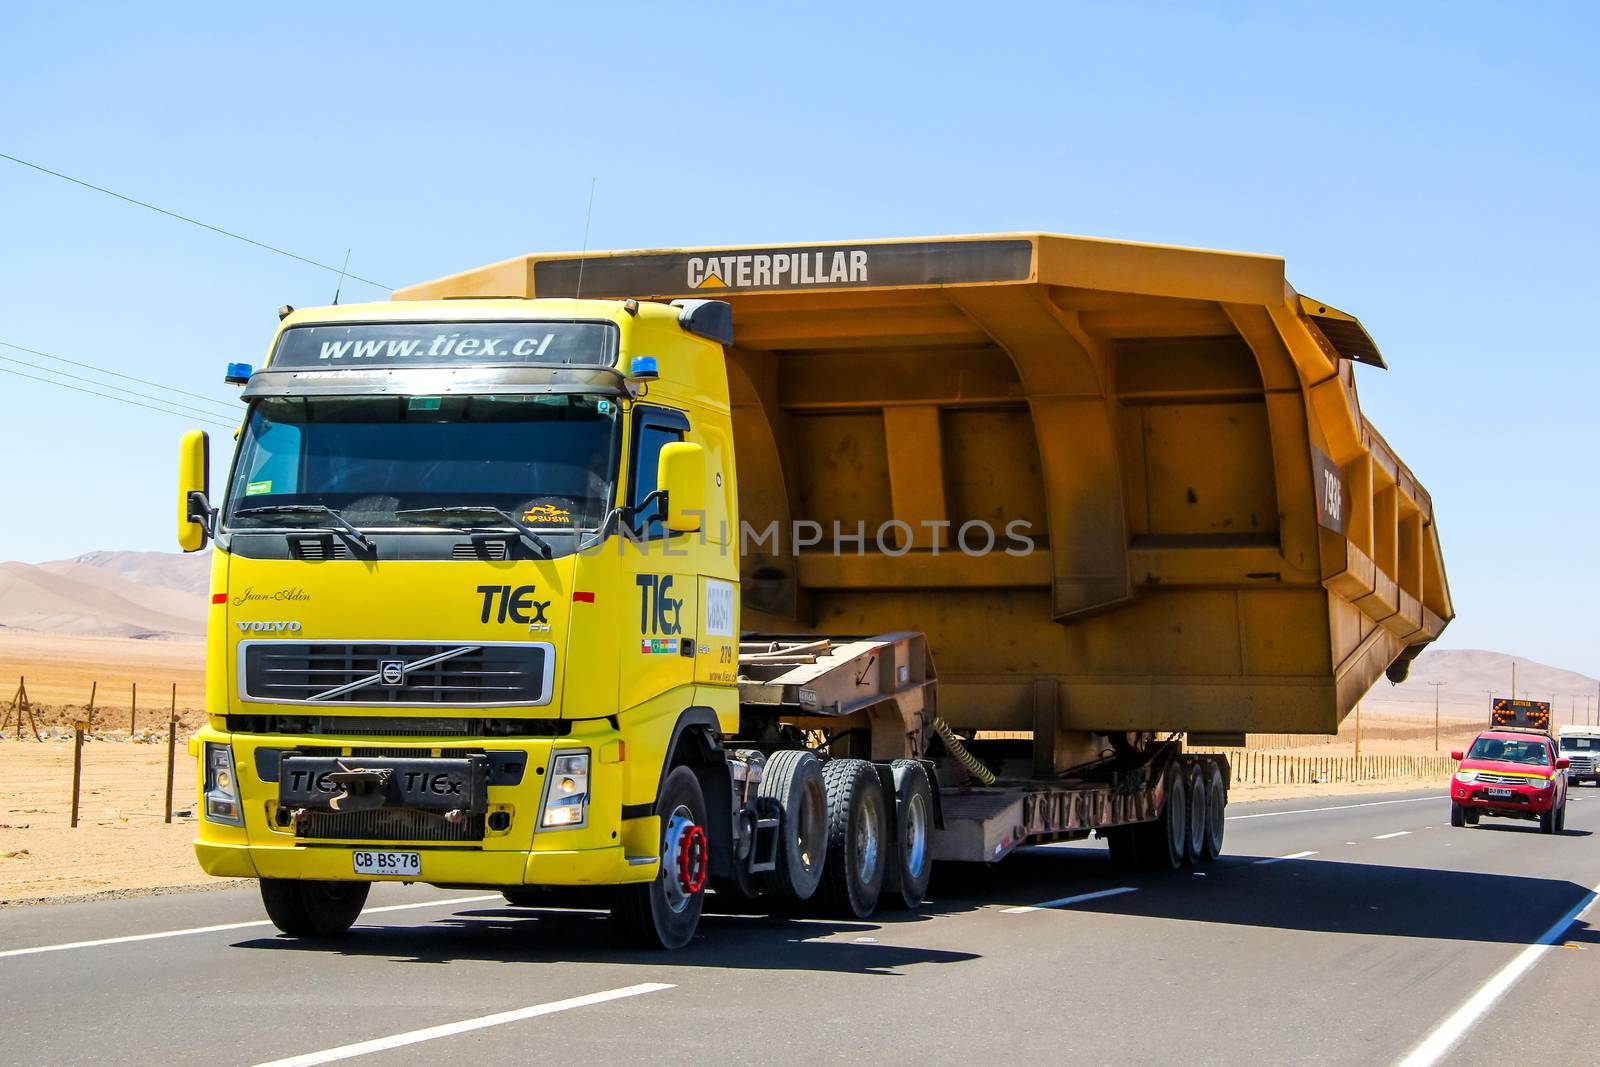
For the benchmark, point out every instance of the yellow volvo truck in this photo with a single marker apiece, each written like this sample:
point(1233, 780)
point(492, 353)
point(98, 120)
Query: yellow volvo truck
point(611, 579)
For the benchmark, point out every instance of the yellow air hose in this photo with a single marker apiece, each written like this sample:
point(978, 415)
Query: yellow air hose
point(954, 746)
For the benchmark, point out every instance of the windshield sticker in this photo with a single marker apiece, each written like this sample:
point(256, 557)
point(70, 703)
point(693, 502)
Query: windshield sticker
point(257, 488)
point(547, 515)
point(432, 344)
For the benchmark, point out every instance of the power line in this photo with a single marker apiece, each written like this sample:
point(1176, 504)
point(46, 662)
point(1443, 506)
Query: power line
point(118, 399)
point(93, 381)
point(107, 370)
point(190, 221)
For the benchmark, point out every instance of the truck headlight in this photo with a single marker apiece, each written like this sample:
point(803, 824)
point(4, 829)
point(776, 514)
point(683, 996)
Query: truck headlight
point(1466, 777)
point(1543, 783)
point(567, 795)
point(222, 786)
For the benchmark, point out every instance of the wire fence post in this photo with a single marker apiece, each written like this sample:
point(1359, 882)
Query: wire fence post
point(88, 722)
point(77, 766)
point(172, 744)
point(133, 711)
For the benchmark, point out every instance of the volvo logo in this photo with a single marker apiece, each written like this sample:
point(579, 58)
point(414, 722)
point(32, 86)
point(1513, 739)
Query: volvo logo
point(392, 672)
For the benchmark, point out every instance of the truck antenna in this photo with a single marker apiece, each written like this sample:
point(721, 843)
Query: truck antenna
point(340, 284)
point(587, 216)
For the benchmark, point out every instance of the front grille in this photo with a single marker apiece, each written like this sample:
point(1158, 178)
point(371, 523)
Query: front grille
point(1582, 764)
point(337, 672)
point(1488, 778)
point(388, 824)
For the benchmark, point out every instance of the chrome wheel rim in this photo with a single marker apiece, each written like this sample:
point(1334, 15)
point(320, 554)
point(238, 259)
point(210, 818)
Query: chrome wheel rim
point(678, 824)
point(867, 838)
point(916, 835)
point(810, 826)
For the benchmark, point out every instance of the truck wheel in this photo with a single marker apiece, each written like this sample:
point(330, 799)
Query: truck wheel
point(1164, 842)
point(1216, 810)
point(1458, 814)
point(792, 779)
point(1547, 821)
point(664, 913)
point(1197, 801)
point(1472, 817)
point(857, 839)
point(1561, 818)
point(906, 878)
point(313, 908)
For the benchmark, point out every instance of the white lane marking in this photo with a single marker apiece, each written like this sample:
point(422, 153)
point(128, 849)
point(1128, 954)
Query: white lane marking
point(225, 926)
point(1339, 807)
point(1291, 856)
point(1397, 833)
point(1445, 1036)
point(432, 1033)
point(1064, 901)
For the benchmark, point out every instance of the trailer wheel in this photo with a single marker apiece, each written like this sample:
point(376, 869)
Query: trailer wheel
point(792, 779)
point(1164, 842)
point(1197, 799)
point(906, 879)
point(857, 839)
point(1216, 810)
point(305, 908)
point(665, 912)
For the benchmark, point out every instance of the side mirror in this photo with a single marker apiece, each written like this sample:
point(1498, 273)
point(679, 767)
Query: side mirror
point(194, 483)
point(681, 471)
point(1563, 763)
point(1456, 755)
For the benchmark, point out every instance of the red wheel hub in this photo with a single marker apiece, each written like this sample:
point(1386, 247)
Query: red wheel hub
point(692, 851)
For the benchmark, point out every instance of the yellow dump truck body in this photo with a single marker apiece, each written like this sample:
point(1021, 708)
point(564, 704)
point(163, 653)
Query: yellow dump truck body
point(1212, 537)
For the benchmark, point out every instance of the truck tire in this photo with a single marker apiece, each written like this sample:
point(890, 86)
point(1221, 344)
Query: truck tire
point(1163, 843)
point(792, 779)
point(1458, 814)
point(305, 908)
point(1216, 810)
point(665, 912)
point(852, 874)
point(1547, 821)
point(1197, 800)
point(906, 876)
point(1561, 818)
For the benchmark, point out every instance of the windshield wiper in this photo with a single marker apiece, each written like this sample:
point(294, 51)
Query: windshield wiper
point(522, 528)
point(320, 510)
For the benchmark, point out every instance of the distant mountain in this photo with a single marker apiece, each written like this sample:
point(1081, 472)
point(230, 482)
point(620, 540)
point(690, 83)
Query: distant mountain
point(107, 594)
point(168, 570)
point(1471, 677)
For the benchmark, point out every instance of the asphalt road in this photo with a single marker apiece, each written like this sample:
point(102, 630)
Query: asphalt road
point(1336, 930)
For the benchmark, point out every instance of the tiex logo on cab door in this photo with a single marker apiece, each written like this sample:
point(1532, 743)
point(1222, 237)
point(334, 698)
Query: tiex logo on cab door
point(514, 603)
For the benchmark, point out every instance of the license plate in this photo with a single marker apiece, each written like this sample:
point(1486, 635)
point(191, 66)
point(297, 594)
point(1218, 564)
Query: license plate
point(397, 864)
point(1498, 792)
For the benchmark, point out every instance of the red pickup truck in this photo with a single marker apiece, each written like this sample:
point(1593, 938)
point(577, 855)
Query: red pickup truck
point(1513, 774)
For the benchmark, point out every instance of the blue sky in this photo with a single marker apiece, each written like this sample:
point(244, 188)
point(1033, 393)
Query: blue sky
point(1430, 167)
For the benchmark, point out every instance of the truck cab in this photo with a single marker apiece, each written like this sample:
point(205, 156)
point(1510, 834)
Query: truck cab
point(1580, 746)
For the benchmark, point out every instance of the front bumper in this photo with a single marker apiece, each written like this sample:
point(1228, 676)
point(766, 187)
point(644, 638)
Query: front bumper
point(604, 850)
point(1524, 800)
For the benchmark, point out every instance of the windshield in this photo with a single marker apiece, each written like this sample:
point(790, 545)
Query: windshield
point(1580, 744)
point(546, 460)
point(1534, 753)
